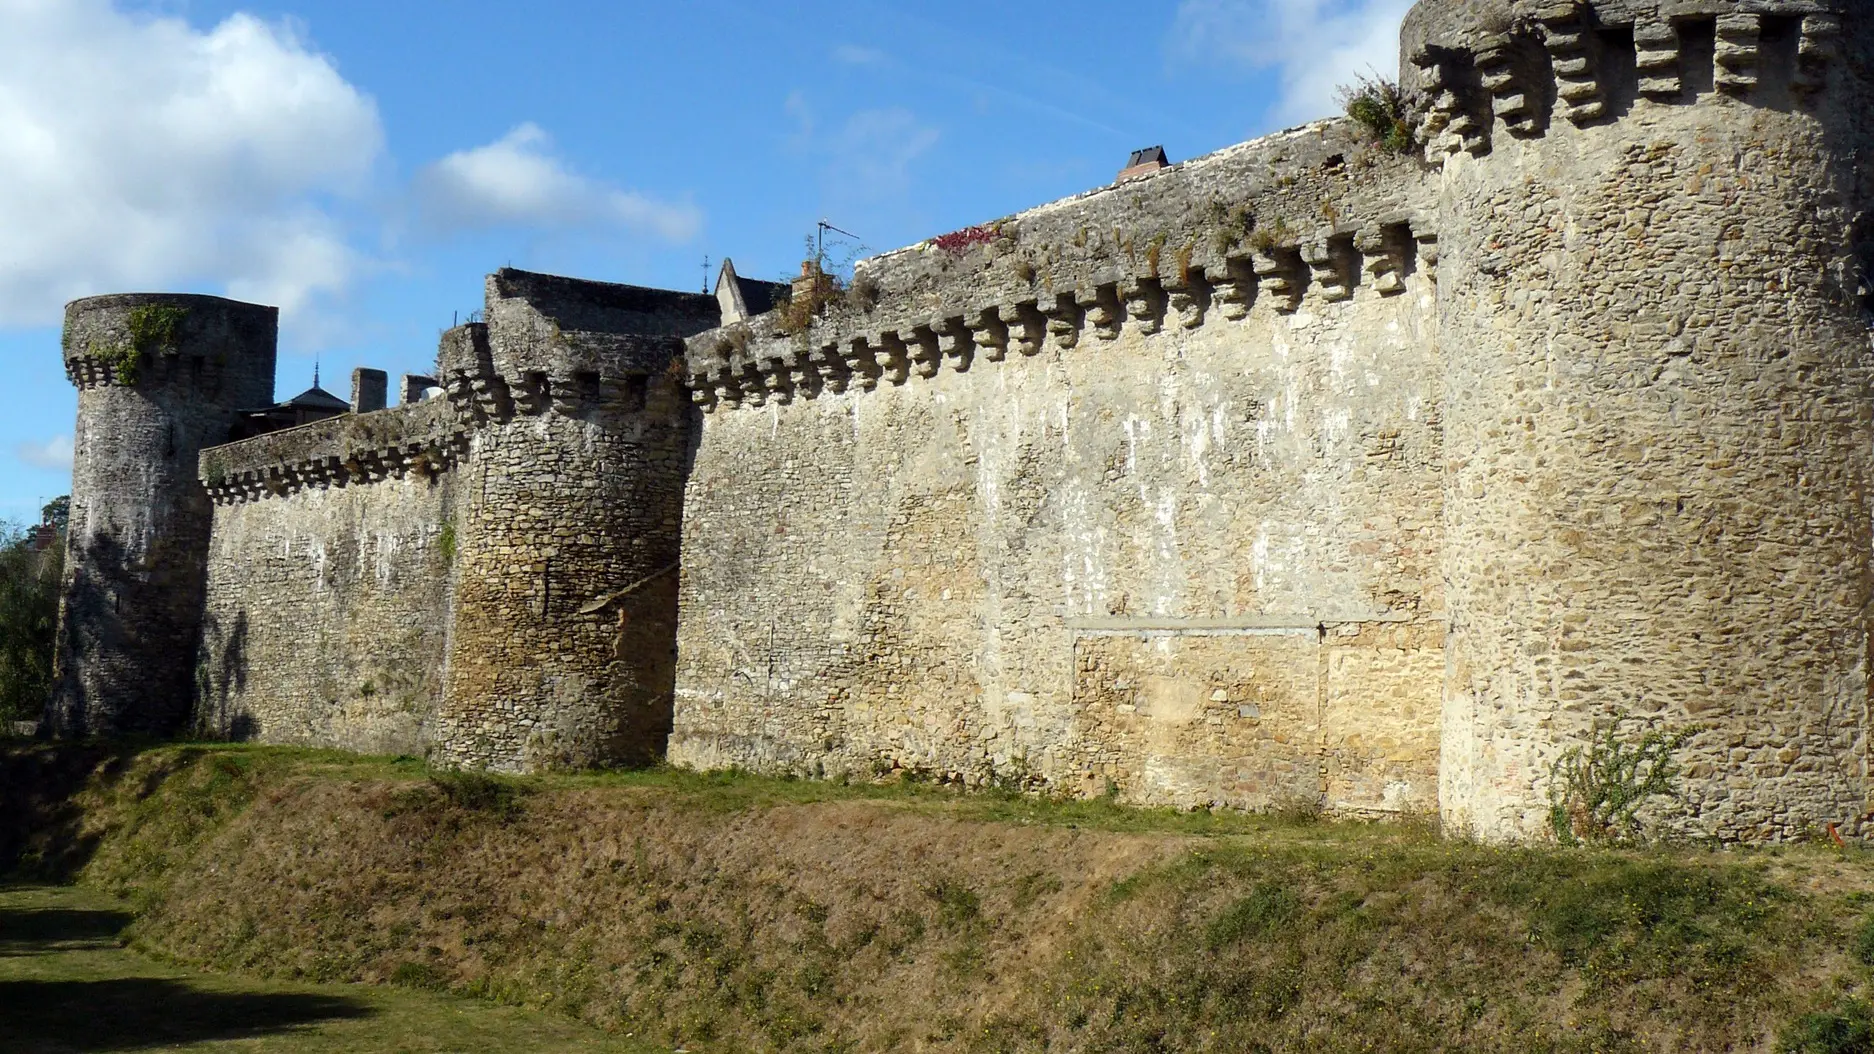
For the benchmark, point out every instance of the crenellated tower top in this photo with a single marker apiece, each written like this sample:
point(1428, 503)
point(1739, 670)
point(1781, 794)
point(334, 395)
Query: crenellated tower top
point(1516, 67)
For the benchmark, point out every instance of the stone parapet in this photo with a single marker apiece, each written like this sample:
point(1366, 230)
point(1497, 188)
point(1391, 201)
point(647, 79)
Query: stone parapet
point(425, 438)
point(1315, 212)
point(1490, 68)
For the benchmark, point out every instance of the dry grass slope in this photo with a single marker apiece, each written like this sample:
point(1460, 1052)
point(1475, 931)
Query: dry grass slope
point(734, 913)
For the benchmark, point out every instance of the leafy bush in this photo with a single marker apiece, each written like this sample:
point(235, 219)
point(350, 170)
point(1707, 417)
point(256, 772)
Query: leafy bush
point(29, 612)
point(1596, 791)
point(1260, 913)
point(1383, 109)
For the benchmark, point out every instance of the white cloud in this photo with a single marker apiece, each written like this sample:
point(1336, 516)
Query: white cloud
point(54, 454)
point(141, 153)
point(517, 181)
point(856, 55)
point(873, 151)
point(1315, 45)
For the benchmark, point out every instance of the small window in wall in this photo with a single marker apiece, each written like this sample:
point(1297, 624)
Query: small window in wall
point(1349, 262)
point(538, 385)
point(1780, 36)
point(586, 387)
point(1401, 247)
point(1620, 68)
point(637, 388)
point(1698, 54)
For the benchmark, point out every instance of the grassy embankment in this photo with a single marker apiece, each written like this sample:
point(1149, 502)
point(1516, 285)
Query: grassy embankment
point(728, 913)
point(67, 986)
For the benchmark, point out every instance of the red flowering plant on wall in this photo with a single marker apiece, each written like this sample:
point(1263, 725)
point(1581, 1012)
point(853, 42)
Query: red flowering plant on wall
point(956, 243)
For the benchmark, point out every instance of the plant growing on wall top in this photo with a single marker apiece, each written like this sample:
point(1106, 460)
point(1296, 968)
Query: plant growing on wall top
point(956, 243)
point(1596, 791)
point(1382, 107)
point(121, 358)
point(822, 281)
point(153, 328)
point(156, 327)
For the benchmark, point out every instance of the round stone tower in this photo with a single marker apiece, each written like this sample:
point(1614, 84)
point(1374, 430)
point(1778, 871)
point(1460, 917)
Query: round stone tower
point(1659, 433)
point(563, 650)
point(159, 377)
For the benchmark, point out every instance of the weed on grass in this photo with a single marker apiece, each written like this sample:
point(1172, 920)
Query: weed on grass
point(1847, 1028)
point(477, 791)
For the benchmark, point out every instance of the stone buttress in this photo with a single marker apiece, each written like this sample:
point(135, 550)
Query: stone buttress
point(159, 377)
point(1657, 415)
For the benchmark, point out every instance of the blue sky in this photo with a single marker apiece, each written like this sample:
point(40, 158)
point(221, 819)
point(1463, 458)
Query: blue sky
point(364, 164)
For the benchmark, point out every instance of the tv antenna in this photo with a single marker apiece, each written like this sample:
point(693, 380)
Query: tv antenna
point(820, 230)
point(705, 272)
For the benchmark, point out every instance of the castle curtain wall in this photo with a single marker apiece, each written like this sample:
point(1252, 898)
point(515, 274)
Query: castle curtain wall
point(1192, 564)
point(327, 616)
point(1307, 470)
point(486, 577)
point(331, 584)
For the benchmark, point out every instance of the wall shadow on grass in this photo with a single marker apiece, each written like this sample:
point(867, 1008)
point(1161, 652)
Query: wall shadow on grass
point(42, 832)
point(43, 931)
point(143, 1013)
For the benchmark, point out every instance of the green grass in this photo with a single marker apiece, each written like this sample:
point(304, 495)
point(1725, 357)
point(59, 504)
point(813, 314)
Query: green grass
point(734, 790)
point(741, 911)
point(67, 985)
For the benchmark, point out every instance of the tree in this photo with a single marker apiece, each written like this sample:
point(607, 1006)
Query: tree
point(29, 612)
point(57, 513)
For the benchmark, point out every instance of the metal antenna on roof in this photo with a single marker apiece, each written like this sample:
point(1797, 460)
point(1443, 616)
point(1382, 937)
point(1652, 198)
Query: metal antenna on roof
point(315, 371)
point(820, 232)
point(705, 272)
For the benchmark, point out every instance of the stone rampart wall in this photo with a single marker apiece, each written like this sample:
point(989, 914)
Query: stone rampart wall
point(1199, 563)
point(330, 585)
point(328, 616)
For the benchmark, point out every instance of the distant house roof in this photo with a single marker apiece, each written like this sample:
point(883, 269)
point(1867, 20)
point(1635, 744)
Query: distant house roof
point(317, 398)
point(1143, 163)
point(742, 298)
point(313, 404)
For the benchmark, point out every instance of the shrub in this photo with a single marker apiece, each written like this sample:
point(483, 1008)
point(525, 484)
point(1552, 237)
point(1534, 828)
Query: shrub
point(1381, 107)
point(477, 791)
point(1864, 942)
point(1596, 791)
point(29, 612)
point(1260, 913)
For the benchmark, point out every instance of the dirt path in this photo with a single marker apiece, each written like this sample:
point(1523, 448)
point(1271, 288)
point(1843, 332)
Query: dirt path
point(67, 987)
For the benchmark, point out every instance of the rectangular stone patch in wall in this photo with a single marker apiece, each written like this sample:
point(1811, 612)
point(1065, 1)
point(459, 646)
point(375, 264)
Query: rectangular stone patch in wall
point(1190, 720)
point(1258, 717)
point(1380, 723)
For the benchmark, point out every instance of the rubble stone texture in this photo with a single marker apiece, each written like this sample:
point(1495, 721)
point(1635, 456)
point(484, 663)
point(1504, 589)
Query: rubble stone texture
point(159, 377)
point(1306, 472)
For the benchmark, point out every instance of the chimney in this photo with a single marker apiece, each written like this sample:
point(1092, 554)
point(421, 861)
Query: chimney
point(414, 385)
point(814, 286)
point(369, 389)
point(1143, 163)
